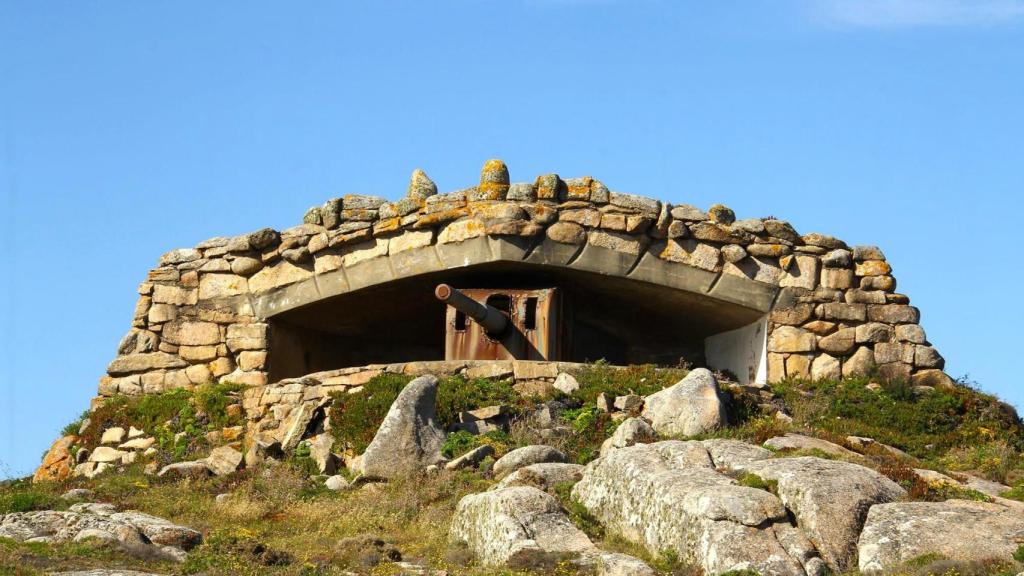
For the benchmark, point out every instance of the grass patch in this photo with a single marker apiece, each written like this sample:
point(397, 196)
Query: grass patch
point(22, 495)
point(577, 512)
point(971, 430)
point(642, 380)
point(755, 481)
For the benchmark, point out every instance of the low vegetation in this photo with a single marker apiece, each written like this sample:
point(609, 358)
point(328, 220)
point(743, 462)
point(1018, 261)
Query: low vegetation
point(279, 519)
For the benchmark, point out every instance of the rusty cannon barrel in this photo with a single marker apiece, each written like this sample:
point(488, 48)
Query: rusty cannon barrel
point(493, 321)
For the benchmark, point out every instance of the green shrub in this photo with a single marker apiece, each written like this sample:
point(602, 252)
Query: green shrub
point(457, 394)
point(72, 427)
point(926, 425)
point(641, 380)
point(356, 417)
point(755, 481)
point(458, 443)
point(1018, 554)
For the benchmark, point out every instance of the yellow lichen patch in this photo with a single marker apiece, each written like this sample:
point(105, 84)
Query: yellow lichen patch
point(579, 188)
point(387, 225)
point(547, 186)
point(873, 268)
point(436, 218)
point(461, 230)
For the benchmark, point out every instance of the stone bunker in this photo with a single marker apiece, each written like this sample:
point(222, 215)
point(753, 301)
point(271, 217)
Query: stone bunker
point(351, 291)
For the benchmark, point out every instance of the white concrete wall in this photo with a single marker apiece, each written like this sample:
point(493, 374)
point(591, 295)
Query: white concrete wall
point(742, 351)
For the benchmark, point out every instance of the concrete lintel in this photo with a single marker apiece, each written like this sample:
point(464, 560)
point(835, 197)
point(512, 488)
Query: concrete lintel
point(369, 272)
point(332, 283)
point(551, 253)
point(511, 248)
point(416, 261)
point(654, 270)
point(286, 298)
point(466, 253)
point(744, 291)
point(604, 261)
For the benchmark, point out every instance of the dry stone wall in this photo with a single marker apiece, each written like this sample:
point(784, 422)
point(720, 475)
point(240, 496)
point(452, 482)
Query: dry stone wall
point(834, 309)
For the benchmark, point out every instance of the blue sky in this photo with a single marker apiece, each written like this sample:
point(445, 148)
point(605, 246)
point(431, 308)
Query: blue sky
point(131, 128)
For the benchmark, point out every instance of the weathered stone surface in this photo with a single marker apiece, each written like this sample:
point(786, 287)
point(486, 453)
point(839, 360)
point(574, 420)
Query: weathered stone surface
point(180, 256)
point(934, 378)
point(862, 253)
point(566, 384)
point(525, 456)
point(825, 367)
point(721, 214)
point(841, 311)
point(193, 469)
point(840, 343)
point(802, 272)
point(958, 530)
point(634, 202)
point(57, 463)
point(223, 460)
point(792, 442)
point(667, 496)
point(410, 438)
point(860, 363)
point(543, 476)
point(421, 186)
point(567, 233)
point(280, 274)
point(189, 333)
point(145, 362)
point(471, 458)
point(691, 406)
point(629, 432)
point(830, 500)
point(823, 241)
point(688, 212)
point(515, 526)
point(791, 339)
point(696, 254)
point(102, 521)
point(114, 435)
point(221, 285)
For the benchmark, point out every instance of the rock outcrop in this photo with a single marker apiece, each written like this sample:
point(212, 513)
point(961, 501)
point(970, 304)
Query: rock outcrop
point(522, 526)
point(410, 438)
point(669, 496)
point(829, 499)
point(957, 530)
point(692, 406)
point(104, 522)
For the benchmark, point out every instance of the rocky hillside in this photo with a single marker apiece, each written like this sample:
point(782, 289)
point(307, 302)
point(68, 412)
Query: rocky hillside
point(615, 471)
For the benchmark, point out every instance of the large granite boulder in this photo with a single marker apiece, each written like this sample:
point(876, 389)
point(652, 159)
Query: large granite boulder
point(410, 437)
point(958, 530)
point(689, 407)
point(669, 496)
point(829, 499)
point(544, 476)
point(522, 526)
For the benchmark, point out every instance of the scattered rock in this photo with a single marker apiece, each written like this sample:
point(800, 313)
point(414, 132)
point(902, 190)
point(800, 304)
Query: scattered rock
point(337, 482)
point(526, 456)
point(77, 494)
point(471, 458)
point(223, 460)
point(194, 469)
point(566, 383)
point(691, 406)
point(113, 435)
point(793, 442)
point(410, 438)
point(630, 431)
